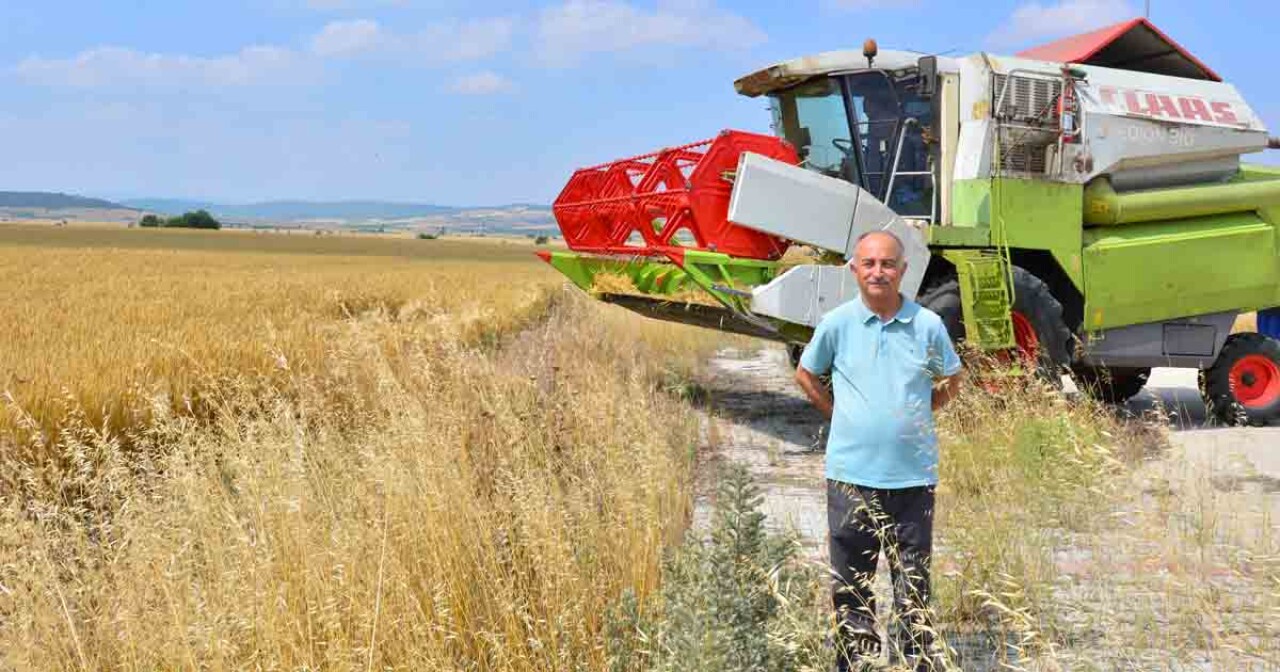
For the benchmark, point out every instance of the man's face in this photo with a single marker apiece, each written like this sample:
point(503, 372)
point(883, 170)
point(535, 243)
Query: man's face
point(878, 265)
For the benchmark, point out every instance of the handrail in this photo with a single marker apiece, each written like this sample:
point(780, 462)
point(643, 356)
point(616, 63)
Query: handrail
point(893, 175)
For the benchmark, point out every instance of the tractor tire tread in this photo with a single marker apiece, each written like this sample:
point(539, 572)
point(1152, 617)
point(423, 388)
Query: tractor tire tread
point(1215, 381)
point(1110, 385)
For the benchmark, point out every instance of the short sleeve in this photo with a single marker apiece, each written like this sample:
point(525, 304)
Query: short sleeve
point(820, 353)
point(943, 360)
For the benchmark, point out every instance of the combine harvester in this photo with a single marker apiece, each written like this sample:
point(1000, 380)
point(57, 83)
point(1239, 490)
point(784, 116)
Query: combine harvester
point(1082, 204)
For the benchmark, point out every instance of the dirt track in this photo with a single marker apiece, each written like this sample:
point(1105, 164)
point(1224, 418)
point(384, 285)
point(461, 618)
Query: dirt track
point(757, 416)
point(1240, 455)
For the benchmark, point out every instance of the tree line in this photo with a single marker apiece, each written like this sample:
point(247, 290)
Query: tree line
point(200, 219)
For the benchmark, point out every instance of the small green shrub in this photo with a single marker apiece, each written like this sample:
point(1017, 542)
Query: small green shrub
point(738, 600)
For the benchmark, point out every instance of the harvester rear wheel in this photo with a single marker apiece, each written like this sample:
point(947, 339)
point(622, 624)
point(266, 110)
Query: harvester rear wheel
point(1110, 385)
point(1243, 385)
point(1042, 335)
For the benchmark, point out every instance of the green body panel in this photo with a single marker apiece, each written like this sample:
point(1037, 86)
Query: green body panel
point(1251, 173)
point(944, 237)
point(1162, 270)
point(1103, 206)
point(1018, 213)
point(970, 203)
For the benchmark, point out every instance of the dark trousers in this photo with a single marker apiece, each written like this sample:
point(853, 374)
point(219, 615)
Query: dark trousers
point(863, 522)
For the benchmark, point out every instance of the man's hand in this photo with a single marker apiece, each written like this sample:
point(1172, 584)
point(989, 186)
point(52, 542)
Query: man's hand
point(945, 389)
point(815, 390)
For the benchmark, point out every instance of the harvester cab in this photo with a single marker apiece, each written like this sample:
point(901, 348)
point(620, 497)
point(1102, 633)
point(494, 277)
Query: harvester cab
point(871, 126)
point(1082, 204)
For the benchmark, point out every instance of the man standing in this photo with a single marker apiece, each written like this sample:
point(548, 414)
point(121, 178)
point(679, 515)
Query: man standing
point(892, 365)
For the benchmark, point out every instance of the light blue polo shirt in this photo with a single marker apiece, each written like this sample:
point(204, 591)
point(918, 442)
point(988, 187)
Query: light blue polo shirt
point(882, 374)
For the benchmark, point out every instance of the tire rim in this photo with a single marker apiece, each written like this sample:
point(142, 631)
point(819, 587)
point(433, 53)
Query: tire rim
point(1024, 334)
point(1255, 381)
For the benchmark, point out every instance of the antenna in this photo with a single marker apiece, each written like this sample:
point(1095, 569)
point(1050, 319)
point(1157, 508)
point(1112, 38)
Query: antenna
point(1146, 9)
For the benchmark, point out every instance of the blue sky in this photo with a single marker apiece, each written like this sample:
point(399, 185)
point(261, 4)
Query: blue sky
point(465, 103)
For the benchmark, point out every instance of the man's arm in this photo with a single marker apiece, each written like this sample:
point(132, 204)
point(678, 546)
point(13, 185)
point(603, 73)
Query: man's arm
point(946, 367)
point(946, 389)
point(815, 390)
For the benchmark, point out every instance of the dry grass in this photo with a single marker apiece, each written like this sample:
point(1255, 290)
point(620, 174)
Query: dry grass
point(1074, 539)
point(465, 474)
point(481, 510)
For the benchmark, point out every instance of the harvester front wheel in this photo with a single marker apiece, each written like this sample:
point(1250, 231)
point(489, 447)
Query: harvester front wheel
point(1243, 385)
point(1041, 333)
point(1110, 385)
point(794, 350)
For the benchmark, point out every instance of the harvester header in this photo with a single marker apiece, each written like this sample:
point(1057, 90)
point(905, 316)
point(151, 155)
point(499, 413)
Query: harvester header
point(667, 202)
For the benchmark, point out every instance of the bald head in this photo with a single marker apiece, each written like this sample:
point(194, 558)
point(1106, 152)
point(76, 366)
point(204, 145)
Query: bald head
point(878, 239)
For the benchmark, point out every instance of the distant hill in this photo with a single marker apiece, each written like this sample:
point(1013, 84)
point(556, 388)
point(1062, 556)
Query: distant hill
point(168, 206)
point(520, 219)
point(526, 219)
point(54, 201)
point(297, 210)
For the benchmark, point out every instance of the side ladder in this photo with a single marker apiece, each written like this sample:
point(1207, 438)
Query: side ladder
point(985, 296)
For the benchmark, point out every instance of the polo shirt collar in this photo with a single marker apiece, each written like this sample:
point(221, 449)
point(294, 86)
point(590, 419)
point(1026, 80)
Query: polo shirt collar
point(906, 312)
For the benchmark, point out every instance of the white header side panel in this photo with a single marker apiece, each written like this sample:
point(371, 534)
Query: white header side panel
point(804, 206)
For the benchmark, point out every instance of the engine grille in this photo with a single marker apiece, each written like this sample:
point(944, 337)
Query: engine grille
point(1026, 115)
point(1028, 100)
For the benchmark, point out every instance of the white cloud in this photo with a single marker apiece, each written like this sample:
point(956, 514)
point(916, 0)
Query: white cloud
point(438, 43)
point(480, 84)
point(468, 40)
point(1034, 22)
point(346, 38)
point(115, 66)
point(569, 31)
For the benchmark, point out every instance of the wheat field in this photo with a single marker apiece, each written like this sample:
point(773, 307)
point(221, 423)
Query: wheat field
point(229, 451)
point(108, 320)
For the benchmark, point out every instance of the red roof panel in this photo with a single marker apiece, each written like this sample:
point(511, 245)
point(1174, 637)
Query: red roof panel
point(1083, 47)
